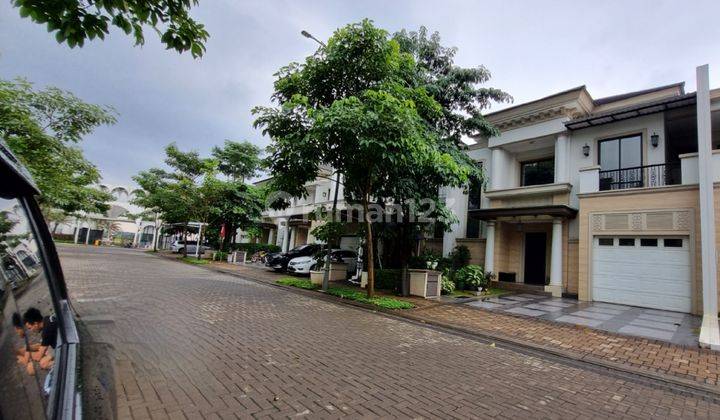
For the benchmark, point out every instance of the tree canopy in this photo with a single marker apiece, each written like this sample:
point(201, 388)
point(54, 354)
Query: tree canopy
point(365, 107)
point(208, 190)
point(43, 129)
point(76, 21)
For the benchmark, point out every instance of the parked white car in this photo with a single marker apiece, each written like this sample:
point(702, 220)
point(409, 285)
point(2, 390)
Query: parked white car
point(177, 247)
point(303, 265)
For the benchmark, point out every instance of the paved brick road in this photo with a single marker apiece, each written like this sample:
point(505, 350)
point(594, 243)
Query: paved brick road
point(192, 343)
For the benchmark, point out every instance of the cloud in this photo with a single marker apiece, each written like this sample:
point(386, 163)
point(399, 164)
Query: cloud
point(532, 49)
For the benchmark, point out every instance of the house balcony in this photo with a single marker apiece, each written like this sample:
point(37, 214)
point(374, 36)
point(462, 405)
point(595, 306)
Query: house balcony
point(684, 172)
point(530, 196)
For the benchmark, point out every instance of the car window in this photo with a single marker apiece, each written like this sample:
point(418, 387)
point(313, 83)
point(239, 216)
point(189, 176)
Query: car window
point(27, 349)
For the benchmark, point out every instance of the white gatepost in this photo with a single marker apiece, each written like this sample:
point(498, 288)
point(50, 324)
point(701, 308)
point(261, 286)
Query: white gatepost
point(490, 247)
point(710, 331)
point(271, 237)
point(555, 286)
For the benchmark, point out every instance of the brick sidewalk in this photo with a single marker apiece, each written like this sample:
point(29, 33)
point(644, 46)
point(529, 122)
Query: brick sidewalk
point(636, 354)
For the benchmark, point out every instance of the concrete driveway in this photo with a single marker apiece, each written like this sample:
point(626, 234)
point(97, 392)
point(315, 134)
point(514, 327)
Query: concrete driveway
point(674, 327)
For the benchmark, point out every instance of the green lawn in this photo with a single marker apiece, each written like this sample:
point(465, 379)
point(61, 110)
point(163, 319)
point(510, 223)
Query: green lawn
point(299, 283)
point(193, 260)
point(348, 293)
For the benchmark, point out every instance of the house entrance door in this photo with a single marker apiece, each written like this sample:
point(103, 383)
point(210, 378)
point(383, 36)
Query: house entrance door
point(535, 253)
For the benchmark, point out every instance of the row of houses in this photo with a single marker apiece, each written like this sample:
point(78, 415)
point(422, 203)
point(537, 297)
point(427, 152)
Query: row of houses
point(603, 199)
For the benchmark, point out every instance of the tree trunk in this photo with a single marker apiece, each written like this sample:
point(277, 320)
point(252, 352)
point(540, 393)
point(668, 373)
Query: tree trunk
point(370, 253)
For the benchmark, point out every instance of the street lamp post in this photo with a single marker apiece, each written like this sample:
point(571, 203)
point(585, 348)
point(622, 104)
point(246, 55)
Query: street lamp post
point(326, 274)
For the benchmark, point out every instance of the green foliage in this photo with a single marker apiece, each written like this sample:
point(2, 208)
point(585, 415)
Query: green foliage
point(299, 283)
point(251, 248)
point(447, 286)
point(220, 256)
point(42, 128)
point(361, 106)
point(195, 191)
point(329, 232)
point(194, 261)
point(74, 22)
point(238, 161)
point(360, 296)
point(388, 279)
point(459, 257)
point(472, 276)
point(457, 89)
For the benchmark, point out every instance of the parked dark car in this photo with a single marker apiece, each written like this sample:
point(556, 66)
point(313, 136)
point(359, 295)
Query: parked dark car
point(36, 319)
point(279, 262)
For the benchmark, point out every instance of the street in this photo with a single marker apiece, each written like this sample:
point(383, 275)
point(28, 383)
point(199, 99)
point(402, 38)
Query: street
point(195, 343)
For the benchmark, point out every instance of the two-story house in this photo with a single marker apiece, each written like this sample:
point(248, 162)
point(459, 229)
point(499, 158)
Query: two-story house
point(599, 198)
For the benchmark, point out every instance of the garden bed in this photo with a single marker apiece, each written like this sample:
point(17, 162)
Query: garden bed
point(385, 302)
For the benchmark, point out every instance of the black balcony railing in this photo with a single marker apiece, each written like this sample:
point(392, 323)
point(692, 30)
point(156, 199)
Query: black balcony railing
point(641, 176)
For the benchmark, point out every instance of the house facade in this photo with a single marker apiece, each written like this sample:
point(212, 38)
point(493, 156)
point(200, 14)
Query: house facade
point(292, 226)
point(595, 198)
point(600, 198)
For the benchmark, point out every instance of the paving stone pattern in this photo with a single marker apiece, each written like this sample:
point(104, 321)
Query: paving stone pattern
point(674, 327)
point(190, 343)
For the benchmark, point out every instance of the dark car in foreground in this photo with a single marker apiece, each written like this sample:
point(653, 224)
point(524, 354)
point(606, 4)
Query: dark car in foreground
point(279, 262)
point(39, 343)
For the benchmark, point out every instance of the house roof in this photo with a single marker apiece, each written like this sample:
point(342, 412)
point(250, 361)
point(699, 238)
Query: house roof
point(500, 111)
point(633, 111)
point(628, 95)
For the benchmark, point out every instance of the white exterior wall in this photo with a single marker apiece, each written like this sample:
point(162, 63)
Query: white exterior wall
point(646, 125)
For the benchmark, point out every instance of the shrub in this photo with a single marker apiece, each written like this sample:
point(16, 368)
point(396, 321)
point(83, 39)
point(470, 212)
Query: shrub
point(252, 248)
point(472, 276)
point(460, 257)
point(220, 256)
point(447, 286)
point(388, 279)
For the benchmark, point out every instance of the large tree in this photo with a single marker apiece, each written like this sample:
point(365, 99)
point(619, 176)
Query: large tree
point(75, 21)
point(43, 129)
point(207, 190)
point(463, 97)
point(361, 106)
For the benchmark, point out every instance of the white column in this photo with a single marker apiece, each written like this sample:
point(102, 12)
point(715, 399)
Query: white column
point(561, 158)
point(457, 202)
point(497, 168)
point(285, 237)
point(198, 244)
point(556, 249)
point(709, 332)
point(490, 247)
point(77, 230)
point(271, 236)
point(87, 235)
point(291, 245)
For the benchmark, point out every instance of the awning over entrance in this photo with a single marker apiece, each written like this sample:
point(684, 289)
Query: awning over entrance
point(562, 211)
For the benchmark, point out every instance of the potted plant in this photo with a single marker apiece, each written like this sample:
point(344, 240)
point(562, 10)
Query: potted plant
point(473, 276)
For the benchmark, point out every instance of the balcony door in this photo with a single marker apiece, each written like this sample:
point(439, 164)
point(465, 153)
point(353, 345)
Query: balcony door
point(620, 161)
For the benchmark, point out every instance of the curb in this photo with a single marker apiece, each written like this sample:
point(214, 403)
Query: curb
point(487, 338)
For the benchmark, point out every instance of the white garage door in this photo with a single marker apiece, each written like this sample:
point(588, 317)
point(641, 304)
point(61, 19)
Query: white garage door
point(650, 272)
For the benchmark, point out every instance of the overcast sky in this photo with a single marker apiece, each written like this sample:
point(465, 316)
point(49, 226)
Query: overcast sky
point(533, 49)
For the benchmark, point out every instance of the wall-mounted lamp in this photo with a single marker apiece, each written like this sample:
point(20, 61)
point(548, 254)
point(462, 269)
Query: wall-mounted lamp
point(654, 140)
point(586, 150)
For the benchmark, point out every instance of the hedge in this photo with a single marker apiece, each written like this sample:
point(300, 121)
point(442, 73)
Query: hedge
point(252, 248)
